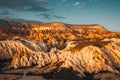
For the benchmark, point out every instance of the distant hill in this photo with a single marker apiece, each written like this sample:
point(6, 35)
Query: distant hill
point(57, 50)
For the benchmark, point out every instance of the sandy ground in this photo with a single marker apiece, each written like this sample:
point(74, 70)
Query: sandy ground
point(99, 76)
point(106, 76)
point(19, 77)
point(63, 76)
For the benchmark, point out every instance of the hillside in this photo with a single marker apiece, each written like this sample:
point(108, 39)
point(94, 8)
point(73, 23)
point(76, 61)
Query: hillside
point(56, 50)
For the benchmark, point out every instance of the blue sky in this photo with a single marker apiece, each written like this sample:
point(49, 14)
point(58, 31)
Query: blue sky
point(103, 12)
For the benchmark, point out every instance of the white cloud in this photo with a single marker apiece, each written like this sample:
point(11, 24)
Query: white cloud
point(63, 0)
point(41, 0)
point(79, 4)
point(93, 0)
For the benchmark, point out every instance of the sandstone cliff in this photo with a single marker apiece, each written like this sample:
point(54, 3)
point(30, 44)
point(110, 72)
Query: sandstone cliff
point(58, 48)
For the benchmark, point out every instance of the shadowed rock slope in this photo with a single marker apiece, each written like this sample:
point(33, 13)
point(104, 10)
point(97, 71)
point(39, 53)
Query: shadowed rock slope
point(57, 50)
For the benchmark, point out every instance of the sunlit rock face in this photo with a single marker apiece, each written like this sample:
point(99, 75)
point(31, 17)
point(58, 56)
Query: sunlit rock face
point(55, 47)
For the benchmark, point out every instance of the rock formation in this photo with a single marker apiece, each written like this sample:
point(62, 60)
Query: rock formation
point(54, 48)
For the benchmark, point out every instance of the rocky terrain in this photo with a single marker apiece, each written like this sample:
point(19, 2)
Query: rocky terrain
point(58, 51)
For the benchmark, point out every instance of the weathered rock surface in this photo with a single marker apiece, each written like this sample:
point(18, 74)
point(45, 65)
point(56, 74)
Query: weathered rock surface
point(55, 48)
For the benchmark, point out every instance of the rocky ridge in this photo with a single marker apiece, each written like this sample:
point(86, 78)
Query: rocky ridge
point(56, 48)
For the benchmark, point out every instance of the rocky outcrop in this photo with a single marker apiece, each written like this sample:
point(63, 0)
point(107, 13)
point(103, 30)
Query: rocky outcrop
point(9, 29)
point(58, 48)
point(92, 31)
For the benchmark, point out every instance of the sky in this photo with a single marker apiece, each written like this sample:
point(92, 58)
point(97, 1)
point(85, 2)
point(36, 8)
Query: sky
point(103, 12)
